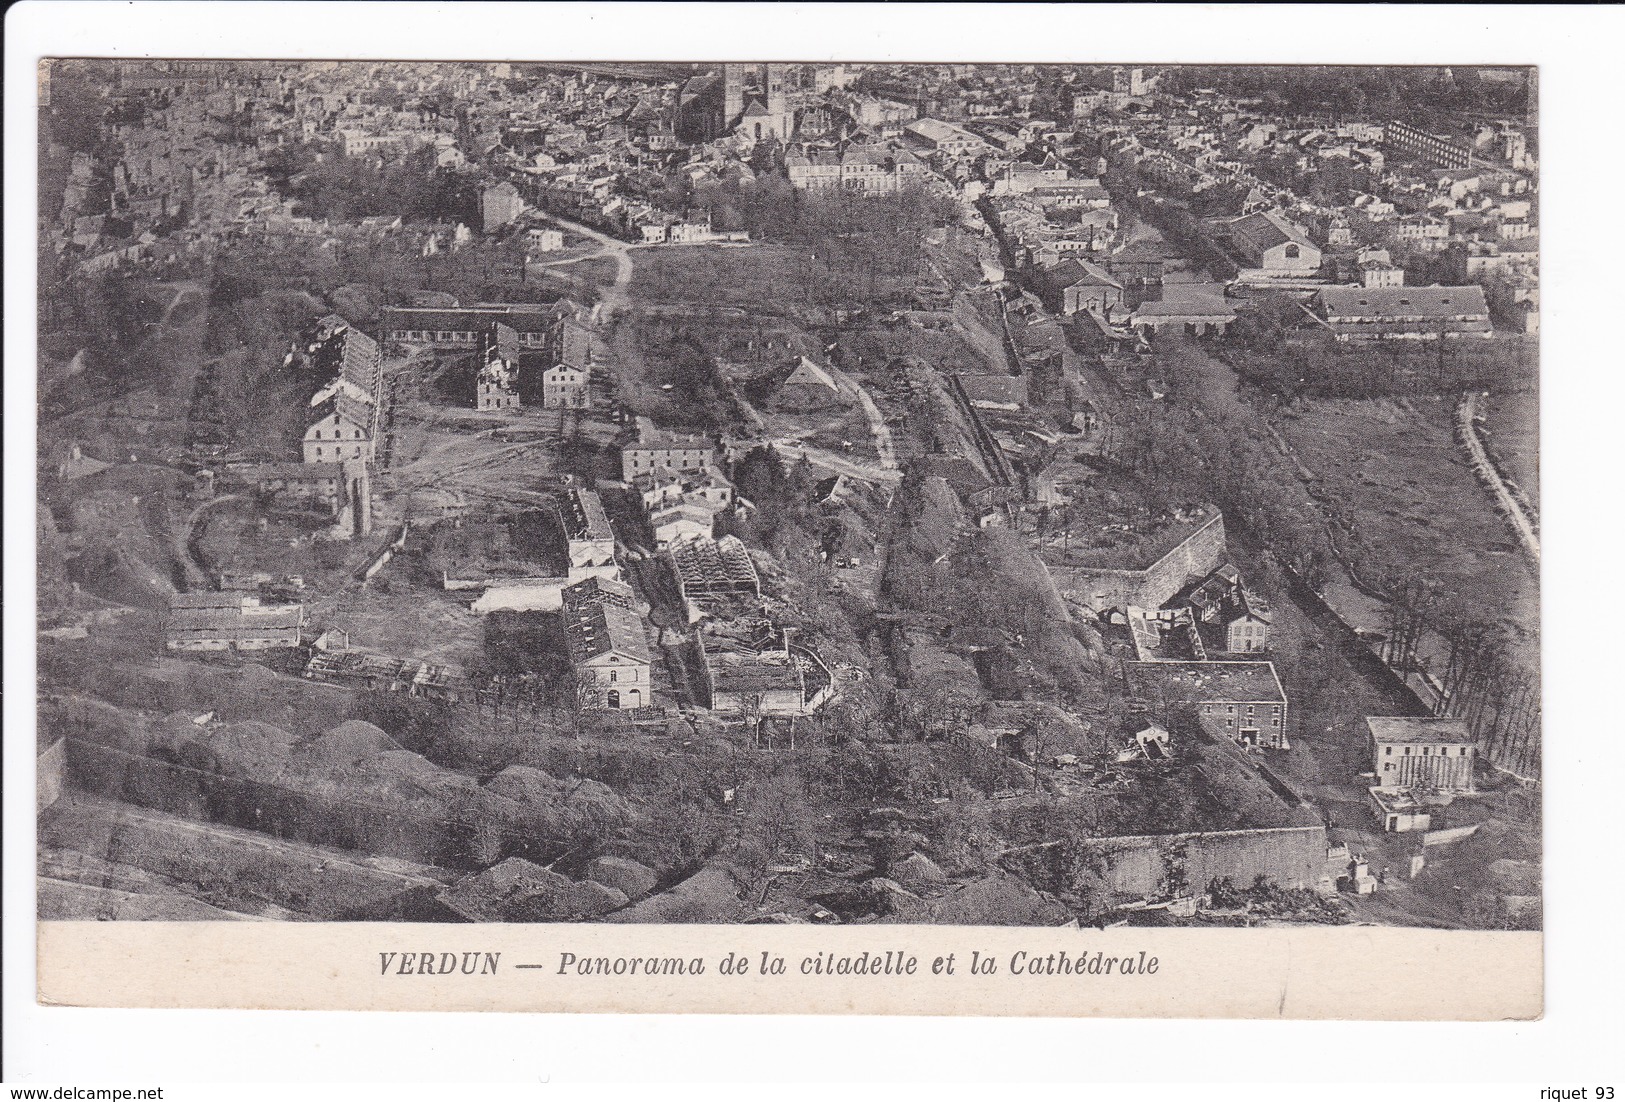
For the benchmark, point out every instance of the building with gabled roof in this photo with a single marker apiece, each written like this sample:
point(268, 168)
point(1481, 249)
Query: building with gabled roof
point(345, 411)
point(230, 621)
point(587, 531)
point(608, 646)
point(1241, 701)
point(1425, 752)
point(654, 448)
point(1268, 242)
point(461, 326)
point(566, 387)
point(1403, 313)
point(809, 386)
point(597, 590)
point(1235, 619)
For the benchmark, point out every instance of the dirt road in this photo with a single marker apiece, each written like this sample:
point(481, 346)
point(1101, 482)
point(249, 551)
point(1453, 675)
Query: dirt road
point(1506, 501)
point(614, 298)
point(818, 457)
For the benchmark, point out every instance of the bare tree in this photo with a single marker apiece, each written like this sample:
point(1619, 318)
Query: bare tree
point(581, 695)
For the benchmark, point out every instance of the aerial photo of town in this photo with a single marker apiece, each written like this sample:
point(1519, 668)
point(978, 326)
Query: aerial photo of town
point(1019, 495)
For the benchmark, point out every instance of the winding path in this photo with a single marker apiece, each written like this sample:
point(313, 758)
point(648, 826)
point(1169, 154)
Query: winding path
point(1510, 507)
point(614, 296)
point(196, 576)
point(820, 457)
point(878, 428)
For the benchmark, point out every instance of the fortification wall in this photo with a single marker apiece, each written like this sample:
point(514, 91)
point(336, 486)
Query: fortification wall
point(1144, 865)
point(1198, 555)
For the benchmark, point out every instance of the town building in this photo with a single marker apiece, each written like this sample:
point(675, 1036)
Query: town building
point(680, 521)
point(1399, 810)
point(946, 138)
point(602, 589)
point(1236, 619)
point(1199, 315)
point(756, 101)
point(500, 207)
point(809, 385)
point(1433, 148)
point(540, 239)
point(875, 169)
point(534, 325)
point(1421, 752)
point(566, 387)
point(1403, 313)
point(1270, 245)
point(230, 621)
point(753, 684)
point(609, 648)
point(1376, 273)
point(334, 660)
point(1076, 285)
point(1134, 265)
point(496, 384)
point(654, 448)
point(346, 410)
point(571, 335)
point(752, 669)
point(709, 489)
point(1241, 701)
point(589, 538)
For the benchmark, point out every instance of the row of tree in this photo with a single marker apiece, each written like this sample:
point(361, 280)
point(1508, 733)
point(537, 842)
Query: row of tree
point(1483, 681)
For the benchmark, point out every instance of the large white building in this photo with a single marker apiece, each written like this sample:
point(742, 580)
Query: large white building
point(346, 410)
point(872, 169)
point(608, 646)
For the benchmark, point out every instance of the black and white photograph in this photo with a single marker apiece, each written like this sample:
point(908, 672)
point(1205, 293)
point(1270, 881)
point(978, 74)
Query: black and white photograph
point(809, 543)
point(789, 493)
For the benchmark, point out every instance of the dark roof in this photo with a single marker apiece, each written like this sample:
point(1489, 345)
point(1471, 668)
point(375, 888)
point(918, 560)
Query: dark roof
point(1204, 682)
point(1251, 604)
point(1267, 230)
point(753, 675)
point(234, 623)
point(1009, 389)
point(231, 599)
point(287, 472)
point(1388, 303)
point(584, 516)
point(956, 470)
point(1199, 306)
point(1417, 729)
point(600, 628)
point(596, 590)
point(501, 339)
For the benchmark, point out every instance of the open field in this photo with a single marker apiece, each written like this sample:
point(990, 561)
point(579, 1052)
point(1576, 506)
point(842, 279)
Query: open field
point(582, 276)
point(442, 450)
point(1412, 506)
point(766, 278)
point(404, 616)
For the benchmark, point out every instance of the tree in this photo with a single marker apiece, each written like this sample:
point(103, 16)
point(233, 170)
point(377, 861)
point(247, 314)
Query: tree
point(581, 695)
point(937, 708)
